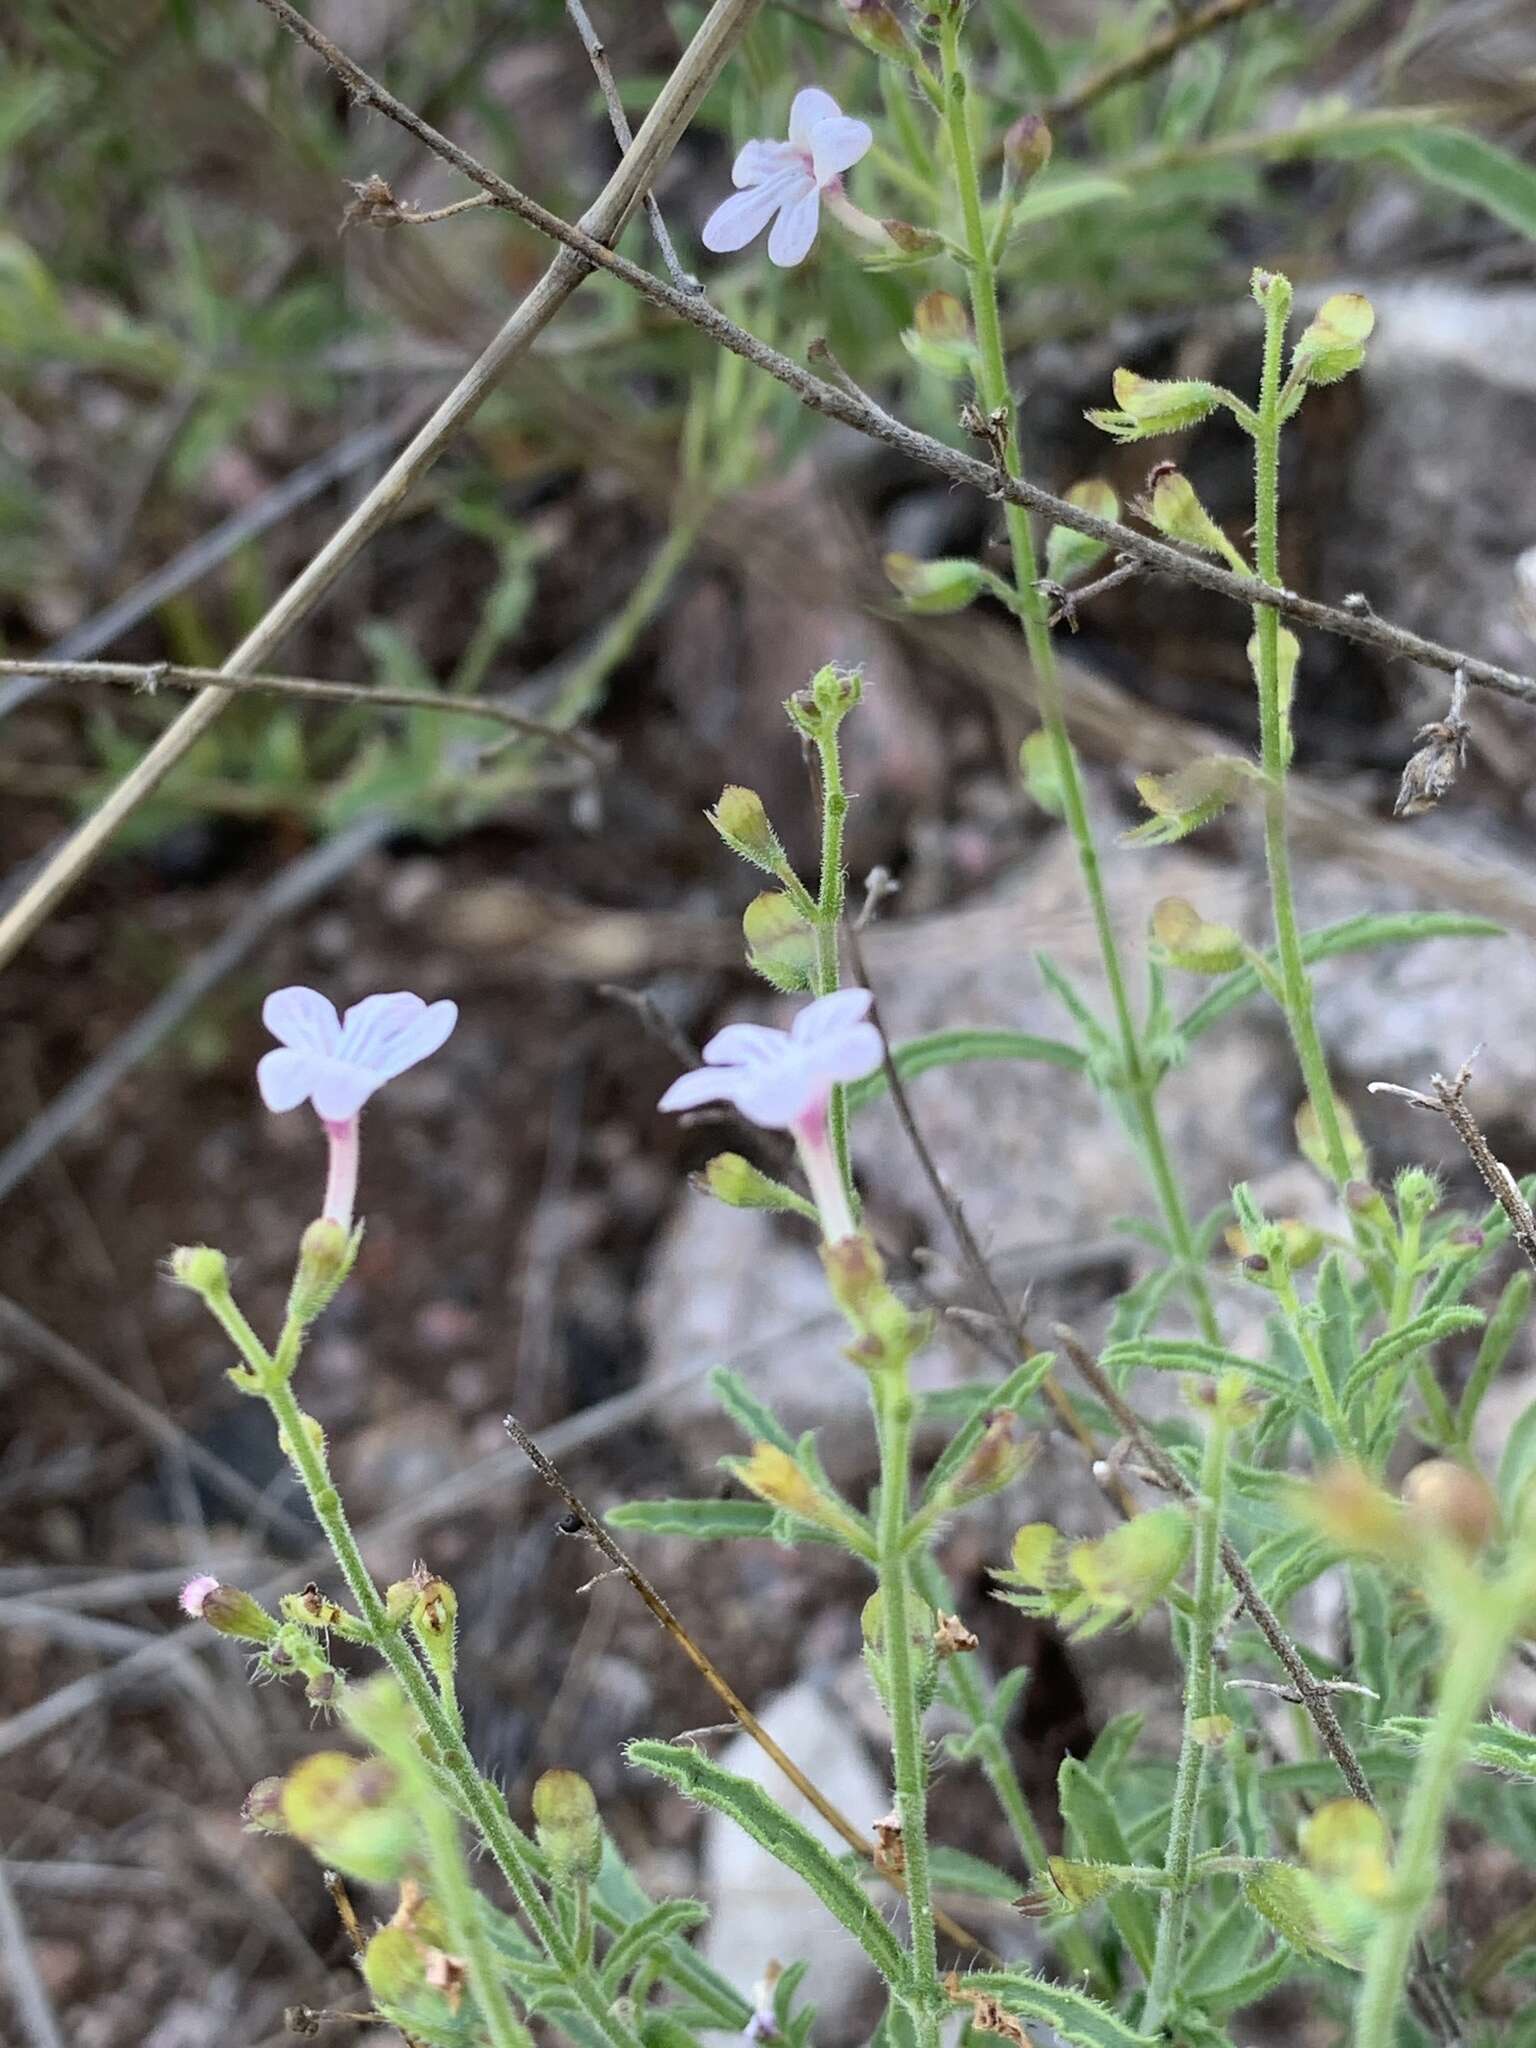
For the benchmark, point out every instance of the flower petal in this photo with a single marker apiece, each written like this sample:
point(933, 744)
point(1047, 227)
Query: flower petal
point(780, 1095)
point(285, 1076)
point(849, 1056)
point(806, 110)
point(370, 1028)
point(837, 145)
point(301, 1017)
point(746, 1045)
point(417, 1039)
point(756, 162)
point(340, 1089)
point(692, 1091)
point(795, 229)
point(830, 1014)
point(741, 218)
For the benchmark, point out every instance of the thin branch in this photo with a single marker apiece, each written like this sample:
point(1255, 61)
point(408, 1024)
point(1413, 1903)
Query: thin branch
point(34, 2007)
point(1449, 1100)
point(1159, 50)
point(972, 1256)
point(675, 105)
point(857, 1839)
point(147, 676)
point(1364, 627)
point(597, 55)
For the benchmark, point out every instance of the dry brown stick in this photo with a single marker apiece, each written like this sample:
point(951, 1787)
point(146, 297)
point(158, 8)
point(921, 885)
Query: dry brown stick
point(971, 1253)
point(701, 63)
point(147, 676)
point(1362, 626)
point(702, 1662)
point(1157, 51)
point(602, 70)
point(1449, 1101)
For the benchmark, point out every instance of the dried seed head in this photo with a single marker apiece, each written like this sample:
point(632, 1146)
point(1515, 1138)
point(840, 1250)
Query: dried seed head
point(1440, 756)
point(890, 1850)
point(952, 1638)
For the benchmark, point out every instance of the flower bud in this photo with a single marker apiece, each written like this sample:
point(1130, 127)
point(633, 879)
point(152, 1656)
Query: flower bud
point(1345, 1842)
point(946, 585)
point(350, 1812)
point(1068, 553)
point(569, 1831)
point(1027, 147)
point(1124, 1573)
point(399, 1600)
point(740, 1185)
point(227, 1610)
point(775, 1477)
point(314, 1436)
point(1145, 406)
point(742, 822)
point(820, 708)
point(910, 240)
point(200, 1268)
point(1186, 939)
point(262, 1810)
point(1448, 1500)
point(327, 1253)
point(1352, 1511)
point(1174, 508)
point(995, 1462)
point(877, 28)
point(1334, 343)
point(781, 946)
point(940, 336)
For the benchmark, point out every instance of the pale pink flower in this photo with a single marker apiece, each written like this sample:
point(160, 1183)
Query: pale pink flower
point(785, 182)
point(783, 1080)
point(194, 1594)
point(336, 1063)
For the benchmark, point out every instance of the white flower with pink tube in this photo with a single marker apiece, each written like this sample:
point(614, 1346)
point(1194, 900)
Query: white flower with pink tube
point(337, 1063)
point(783, 1080)
point(785, 182)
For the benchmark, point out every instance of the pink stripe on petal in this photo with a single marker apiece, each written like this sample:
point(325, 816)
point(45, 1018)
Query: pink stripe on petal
point(302, 1017)
point(806, 110)
point(285, 1076)
point(742, 218)
point(370, 1028)
point(795, 229)
point(418, 1039)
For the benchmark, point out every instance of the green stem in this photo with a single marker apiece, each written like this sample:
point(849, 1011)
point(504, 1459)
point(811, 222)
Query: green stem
point(453, 1891)
point(1317, 1365)
point(1275, 743)
point(1199, 1704)
point(829, 915)
point(483, 1803)
point(1485, 1620)
point(892, 1395)
point(1140, 1082)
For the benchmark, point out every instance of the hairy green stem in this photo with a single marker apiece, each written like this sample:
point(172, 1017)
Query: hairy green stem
point(829, 915)
point(1316, 1364)
point(483, 1803)
point(1199, 1705)
point(1275, 741)
point(1140, 1081)
point(1484, 1620)
point(893, 1402)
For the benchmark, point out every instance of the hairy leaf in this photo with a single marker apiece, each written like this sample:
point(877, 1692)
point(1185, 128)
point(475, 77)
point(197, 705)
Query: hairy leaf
point(960, 1049)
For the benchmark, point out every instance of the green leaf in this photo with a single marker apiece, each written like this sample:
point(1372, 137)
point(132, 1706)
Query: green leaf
point(1473, 169)
point(1076, 2018)
point(956, 1870)
point(1398, 1347)
point(1354, 935)
point(1492, 1746)
point(1370, 1628)
point(1503, 1328)
point(757, 1423)
point(1095, 1833)
point(706, 1521)
point(648, 1936)
point(960, 1048)
point(1057, 192)
point(1188, 1354)
point(1288, 1898)
point(756, 1814)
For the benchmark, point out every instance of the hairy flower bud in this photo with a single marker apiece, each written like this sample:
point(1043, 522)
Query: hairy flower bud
point(742, 822)
point(1173, 506)
point(262, 1811)
point(350, 1811)
point(227, 1610)
point(569, 1831)
point(1027, 147)
point(740, 1185)
point(948, 584)
point(201, 1268)
point(877, 28)
point(327, 1253)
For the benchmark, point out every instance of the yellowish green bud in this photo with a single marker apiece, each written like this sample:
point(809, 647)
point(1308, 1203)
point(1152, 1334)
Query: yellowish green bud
point(327, 1253)
point(262, 1811)
point(946, 585)
point(350, 1812)
point(1145, 406)
point(781, 945)
point(1070, 554)
point(1345, 1842)
point(1173, 506)
point(1314, 1147)
point(314, 1435)
point(1333, 344)
point(878, 29)
point(740, 1185)
point(569, 1831)
point(201, 1268)
point(1452, 1503)
point(1187, 940)
point(742, 822)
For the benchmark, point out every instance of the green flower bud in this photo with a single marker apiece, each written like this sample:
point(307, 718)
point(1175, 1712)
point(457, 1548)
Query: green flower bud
point(873, 23)
point(200, 1268)
point(1174, 508)
point(1334, 343)
point(946, 585)
point(1125, 1573)
point(820, 708)
point(1027, 147)
point(910, 240)
point(1187, 940)
point(399, 1600)
point(327, 1253)
point(1145, 406)
point(350, 1812)
point(742, 822)
point(940, 336)
point(739, 1184)
point(435, 1620)
point(569, 1831)
point(1070, 554)
point(781, 946)
point(227, 1610)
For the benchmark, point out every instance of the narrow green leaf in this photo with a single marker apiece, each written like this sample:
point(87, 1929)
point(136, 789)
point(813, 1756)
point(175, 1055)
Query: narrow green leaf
point(1059, 192)
point(1473, 169)
point(1398, 1347)
point(1007, 1398)
point(961, 1048)
point(751, 1809)
point(956, 1870)
point(1289, 1900)
point(1503, 1328)
point(1095, 1833)
point(707, 1521)
point(1188, 1354)
point(757, 1422)
point(646, 1937)
point(1493, 1746)
point(1075, 2017)
point(1354, 935)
